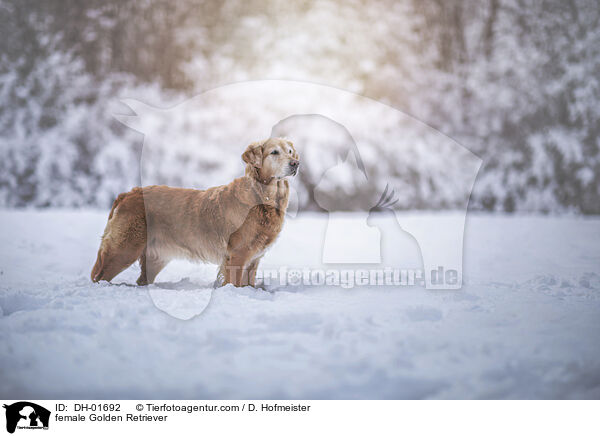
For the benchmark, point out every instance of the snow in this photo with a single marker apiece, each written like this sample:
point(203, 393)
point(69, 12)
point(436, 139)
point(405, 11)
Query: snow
point(526, 323)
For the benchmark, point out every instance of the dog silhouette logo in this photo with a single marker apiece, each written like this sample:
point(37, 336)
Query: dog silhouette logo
point(361, 156)
point(363, 246)
point(26, 415)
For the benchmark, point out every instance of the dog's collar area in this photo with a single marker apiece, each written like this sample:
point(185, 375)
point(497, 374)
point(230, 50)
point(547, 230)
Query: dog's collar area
point(266, 182)
point(256, 176)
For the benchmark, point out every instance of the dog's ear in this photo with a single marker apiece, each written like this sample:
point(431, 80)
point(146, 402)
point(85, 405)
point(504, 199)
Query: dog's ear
point(253, 154)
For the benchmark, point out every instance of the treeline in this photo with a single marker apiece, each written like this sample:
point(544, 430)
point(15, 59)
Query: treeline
point(515, 81)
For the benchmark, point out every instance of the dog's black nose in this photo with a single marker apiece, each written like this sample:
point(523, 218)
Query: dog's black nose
point(294, 163)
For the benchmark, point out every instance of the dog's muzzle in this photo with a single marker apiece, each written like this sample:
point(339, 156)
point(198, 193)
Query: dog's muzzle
point(294, 164)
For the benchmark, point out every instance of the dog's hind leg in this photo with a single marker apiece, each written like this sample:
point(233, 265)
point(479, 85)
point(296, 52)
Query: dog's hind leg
point(124, 238)
point(112, 261)
point(151, 265)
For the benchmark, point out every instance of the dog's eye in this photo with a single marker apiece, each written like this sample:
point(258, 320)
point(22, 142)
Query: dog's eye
point(275, 152)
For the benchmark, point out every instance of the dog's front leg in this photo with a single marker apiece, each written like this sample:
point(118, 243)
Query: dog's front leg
point(236, 269)
point(283, 194)
point(252, 268)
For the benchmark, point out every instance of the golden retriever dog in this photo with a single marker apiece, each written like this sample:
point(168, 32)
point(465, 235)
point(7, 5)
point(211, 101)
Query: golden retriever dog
point(231, 225)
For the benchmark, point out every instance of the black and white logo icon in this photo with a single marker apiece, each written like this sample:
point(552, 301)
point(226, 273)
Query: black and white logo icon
point(26, 415)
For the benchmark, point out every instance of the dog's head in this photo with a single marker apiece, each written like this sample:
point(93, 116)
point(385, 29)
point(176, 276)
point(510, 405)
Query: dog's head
point(275, 158)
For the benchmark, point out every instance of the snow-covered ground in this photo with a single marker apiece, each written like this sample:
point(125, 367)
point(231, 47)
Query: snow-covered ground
point(526, 323)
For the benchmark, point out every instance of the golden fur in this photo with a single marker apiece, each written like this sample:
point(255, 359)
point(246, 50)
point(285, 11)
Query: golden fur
point(231, 225)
